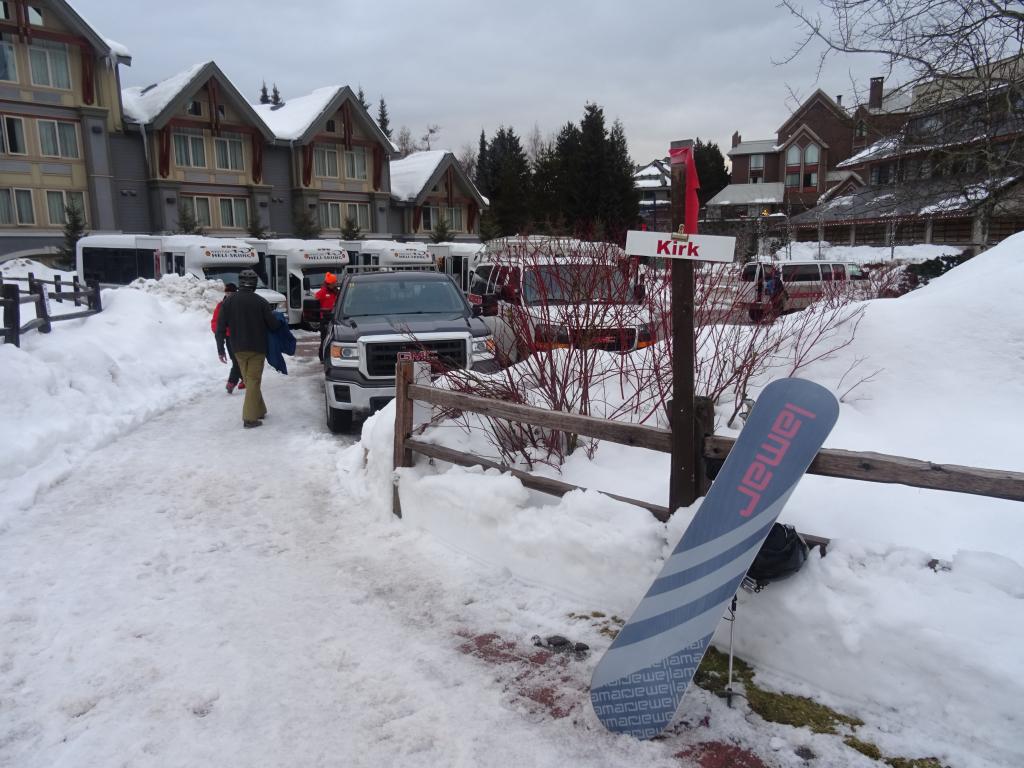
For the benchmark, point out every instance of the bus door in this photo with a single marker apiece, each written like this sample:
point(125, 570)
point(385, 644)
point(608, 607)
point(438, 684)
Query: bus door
point(280, 275)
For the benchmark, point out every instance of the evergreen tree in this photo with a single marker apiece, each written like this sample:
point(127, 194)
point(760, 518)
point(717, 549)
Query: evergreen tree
point(711, 170)
point(351, 230)
point(481, 180)
point(382, 118)
point(305, 225)
point(593, 169)
point(362, 99)
point(544, 206)
point(187, 223)
point(74, 230)
point(508, 179)
point(621, 204)
point(441, 232)
point(275, 96)
point(568, 175)
point(264, 96)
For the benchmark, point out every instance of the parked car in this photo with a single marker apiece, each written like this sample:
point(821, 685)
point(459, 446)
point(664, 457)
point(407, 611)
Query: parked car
point(381, 315)
point(771, 288)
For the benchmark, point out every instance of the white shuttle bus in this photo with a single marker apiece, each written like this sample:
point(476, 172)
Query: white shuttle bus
point(297, 269)
point(388, 254)
point(120, 259)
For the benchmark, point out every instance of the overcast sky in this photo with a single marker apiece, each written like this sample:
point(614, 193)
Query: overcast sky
point(666, 69)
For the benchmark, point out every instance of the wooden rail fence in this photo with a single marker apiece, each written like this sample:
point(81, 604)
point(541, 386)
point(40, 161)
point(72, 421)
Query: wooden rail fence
point(851, 465)
point(12, 297)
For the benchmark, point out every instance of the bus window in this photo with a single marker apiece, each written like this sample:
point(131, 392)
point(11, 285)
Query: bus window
point(800, 273)
point(856, 273)
point(826, 272)
point(748, 273)
point(179, 263)
point(839, 271)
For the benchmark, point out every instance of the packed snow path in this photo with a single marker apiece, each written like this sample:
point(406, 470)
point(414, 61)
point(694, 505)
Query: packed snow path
point(197, 594)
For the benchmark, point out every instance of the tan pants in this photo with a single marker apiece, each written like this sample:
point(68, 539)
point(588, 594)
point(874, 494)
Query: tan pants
point(251, 365)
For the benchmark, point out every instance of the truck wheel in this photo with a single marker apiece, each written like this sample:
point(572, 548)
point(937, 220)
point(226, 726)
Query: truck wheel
point(338, 421)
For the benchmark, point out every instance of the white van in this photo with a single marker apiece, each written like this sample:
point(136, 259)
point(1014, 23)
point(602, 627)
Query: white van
point(802, 283)
point(457, 260)
point(120, 259)
point(540, 294)
point(297, 269)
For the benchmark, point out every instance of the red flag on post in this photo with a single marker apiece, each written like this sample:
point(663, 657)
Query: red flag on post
point(684, 156)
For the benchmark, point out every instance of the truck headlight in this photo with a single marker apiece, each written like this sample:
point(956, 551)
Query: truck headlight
point(344, 354)
point(482, 348)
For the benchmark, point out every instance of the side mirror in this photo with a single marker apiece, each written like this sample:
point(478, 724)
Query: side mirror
point(477, 310)
point(306, 284)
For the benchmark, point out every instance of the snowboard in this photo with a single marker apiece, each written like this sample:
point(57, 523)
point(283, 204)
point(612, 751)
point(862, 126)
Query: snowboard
point(638, 683)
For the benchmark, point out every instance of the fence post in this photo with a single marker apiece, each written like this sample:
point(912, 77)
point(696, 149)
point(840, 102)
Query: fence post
point(12, 314)
point(56, 289)
point(76, 286)
point(95, 302)
point(38, 287)
point(403, 426)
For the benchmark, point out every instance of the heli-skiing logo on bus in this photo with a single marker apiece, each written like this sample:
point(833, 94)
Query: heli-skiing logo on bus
point(773, 450)
point(230, 253)
point(412, 255)
point(325, 254)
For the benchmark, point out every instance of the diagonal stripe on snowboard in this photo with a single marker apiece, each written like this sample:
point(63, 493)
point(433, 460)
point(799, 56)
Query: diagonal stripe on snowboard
point(639, 682)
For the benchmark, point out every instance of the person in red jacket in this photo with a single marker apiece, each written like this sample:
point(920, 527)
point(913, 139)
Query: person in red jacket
point(235, 376)
point(327, 296)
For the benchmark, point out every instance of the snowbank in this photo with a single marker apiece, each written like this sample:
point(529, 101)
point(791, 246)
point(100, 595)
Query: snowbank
point(915, 651)
point(90, 380)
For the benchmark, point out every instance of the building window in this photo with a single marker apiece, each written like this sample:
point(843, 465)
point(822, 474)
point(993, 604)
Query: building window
point(811, 179)
point(194, 108)
point(811, 154)
point(432, 215)
point(355, 164)
point(793, 155)
point(330, 215)
point(792, 179)
point(199, 207)
point(20, 211)
point(332, 126)
point(325, 162)
point(228, 154)
point(35, 16)
point(234, 213)
point(861, 131)
point(58, 139)
point(220, 111)
point(756, 162)
point(429, 218)
point(189, 151)
point(49, 64)
point(12, 136)
point(8, 61)
point(359, 213)
point(57, 204)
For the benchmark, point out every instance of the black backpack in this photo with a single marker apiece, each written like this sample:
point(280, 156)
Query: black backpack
point(782, 554)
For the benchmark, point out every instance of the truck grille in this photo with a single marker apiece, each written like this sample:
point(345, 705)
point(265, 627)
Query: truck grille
point(381, 357)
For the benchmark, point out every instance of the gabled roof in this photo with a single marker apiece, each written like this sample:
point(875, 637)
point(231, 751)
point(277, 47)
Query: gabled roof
point(302, 118)
point(759, 147)
point(824, 98)
point(654, 175)
point(750, 194)
point(803, 130)
point(156, 104)
point(74, 21)
point(414, 176)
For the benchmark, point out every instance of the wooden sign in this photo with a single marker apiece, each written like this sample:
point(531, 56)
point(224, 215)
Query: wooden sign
point(674, 245)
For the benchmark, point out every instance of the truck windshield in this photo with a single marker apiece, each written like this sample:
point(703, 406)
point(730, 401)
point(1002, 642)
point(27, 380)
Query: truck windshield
point(230, 274)
point(401, 297)
point(576, 284)
point(316, 275)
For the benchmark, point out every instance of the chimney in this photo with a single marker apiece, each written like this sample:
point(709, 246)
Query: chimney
point(839, 99)
point(875, 94)
point(736, 139)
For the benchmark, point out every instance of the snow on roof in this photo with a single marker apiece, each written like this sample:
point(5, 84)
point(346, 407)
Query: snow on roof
point(411, 174)
point(880, 148)
point(759, 147)
point(117, 49)
point(289, 121)
point(750, 194)
point(143, 104)
point(651, 183)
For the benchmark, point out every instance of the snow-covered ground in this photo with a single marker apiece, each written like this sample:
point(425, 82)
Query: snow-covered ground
point(177, 591)
point(864, 254)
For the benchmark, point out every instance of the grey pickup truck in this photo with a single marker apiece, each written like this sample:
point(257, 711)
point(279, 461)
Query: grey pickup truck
point(380, 315)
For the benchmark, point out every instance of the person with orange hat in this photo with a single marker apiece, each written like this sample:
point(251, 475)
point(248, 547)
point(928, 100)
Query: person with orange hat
point(327, 295)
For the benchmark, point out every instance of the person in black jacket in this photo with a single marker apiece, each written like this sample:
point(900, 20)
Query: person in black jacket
point(248, 317)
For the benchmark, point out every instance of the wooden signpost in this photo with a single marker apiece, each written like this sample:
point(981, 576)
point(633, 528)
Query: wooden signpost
point(691, 418)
